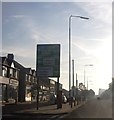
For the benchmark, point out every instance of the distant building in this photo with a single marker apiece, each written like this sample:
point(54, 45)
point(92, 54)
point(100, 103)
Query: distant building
point(48, 87)
point(101, 91)
point(82, 86)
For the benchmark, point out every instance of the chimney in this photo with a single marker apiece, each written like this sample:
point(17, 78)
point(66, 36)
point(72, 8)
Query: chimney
point(10, 56)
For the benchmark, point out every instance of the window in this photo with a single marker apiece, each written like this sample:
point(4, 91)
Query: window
point(26, 77)
point(4, 71)
point(35, 80)
point(11, 72)
point(29, 78)
point(16, 74)
point(32, 79)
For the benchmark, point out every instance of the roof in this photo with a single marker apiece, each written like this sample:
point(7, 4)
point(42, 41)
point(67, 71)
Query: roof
point(44, 81)
point(3, 60)
point(28, 71)
point(33, 71)
point(17, 65)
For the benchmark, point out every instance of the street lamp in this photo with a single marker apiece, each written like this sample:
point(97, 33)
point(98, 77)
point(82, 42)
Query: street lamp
point(70, 49)
point(84, 70)
point(89, 82)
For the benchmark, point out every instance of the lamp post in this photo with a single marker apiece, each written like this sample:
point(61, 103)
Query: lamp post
point(73, 78)
point(81, 17)
point(84, 70)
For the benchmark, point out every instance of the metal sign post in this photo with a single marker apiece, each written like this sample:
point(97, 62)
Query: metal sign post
point(59, 95)
point(37, 93)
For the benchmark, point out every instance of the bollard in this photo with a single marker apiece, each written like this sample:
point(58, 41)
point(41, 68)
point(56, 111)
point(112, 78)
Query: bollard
point(71, 101)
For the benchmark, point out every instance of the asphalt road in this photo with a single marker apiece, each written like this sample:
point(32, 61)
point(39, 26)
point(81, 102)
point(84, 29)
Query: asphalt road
point(93, 109)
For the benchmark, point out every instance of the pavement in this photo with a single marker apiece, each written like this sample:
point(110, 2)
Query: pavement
point(50, 110)
point(43, 113)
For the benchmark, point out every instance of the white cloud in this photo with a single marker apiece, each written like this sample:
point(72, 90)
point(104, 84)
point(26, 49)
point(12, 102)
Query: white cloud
point(19, 16)
point(100, 11)
point(19, 51)
point(86, 51)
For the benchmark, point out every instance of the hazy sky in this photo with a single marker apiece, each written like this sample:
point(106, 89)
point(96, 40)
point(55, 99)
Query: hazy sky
point(26, 24)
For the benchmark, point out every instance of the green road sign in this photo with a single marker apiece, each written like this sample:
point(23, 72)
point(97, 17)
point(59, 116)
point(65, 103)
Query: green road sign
point(48, 60)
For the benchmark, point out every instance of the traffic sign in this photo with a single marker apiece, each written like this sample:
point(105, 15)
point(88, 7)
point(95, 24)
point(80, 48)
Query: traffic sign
point(48, 60)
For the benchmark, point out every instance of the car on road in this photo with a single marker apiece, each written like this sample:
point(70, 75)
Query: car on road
point(53, 99)
point(98, 98)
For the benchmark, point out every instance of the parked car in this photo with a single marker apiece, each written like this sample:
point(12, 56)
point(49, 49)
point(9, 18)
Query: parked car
point(53, 99)
point(64, 99)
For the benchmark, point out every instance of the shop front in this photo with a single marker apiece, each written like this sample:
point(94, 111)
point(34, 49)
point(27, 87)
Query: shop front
point(4, 82)
point(13, 91)
point(28, 93)
point(8, 90)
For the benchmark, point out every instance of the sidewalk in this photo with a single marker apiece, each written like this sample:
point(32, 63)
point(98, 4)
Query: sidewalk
point(50, 110)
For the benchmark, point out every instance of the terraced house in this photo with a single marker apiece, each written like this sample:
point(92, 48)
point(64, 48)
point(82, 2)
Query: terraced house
point(19, 84)
point(9, 79)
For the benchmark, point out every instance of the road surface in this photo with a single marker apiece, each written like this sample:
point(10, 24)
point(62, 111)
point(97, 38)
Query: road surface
point(93, 109)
